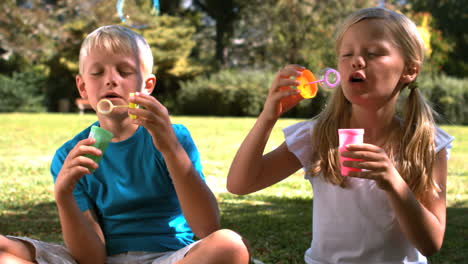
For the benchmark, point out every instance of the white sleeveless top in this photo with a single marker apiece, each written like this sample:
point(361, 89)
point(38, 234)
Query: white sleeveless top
point(354, 224)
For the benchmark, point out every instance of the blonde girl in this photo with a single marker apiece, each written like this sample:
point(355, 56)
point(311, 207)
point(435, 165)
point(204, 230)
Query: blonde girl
point(393, 211)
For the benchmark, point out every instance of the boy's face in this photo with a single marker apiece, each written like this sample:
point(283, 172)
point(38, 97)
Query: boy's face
point(112, 76)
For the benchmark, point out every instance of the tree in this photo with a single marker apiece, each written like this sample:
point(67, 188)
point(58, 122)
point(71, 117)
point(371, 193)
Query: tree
point(224, 13)
point(451, 19)
point(274, 33)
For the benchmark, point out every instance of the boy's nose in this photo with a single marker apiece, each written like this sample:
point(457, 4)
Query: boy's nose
point(111, 83)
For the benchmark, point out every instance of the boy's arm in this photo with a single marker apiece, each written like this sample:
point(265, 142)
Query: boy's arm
point(195, 197)
point(81, 232)
point(198, 203)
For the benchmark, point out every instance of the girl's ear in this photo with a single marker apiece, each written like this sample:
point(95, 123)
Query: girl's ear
point(150, 83)
point(80, 84)
point(410, 73)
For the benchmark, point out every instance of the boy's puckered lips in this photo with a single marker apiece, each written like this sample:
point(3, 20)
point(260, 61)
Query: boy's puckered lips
point(112, 95)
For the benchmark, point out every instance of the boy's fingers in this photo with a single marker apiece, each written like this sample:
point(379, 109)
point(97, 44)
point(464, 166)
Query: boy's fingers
point(149, 102)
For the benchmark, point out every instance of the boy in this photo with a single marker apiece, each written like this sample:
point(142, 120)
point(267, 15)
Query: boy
point(147, 197)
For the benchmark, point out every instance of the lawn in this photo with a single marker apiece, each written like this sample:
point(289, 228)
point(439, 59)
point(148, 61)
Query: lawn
point(276, 221)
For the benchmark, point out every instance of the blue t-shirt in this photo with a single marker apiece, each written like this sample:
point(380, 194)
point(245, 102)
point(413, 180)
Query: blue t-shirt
point(132, 193)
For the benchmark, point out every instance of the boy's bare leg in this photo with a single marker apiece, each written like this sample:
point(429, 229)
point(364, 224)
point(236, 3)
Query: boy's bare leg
point(12, 251)
point(223, 246)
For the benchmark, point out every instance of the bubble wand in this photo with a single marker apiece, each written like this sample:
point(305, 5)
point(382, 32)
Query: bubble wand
point(329, 78)
point(105, 106)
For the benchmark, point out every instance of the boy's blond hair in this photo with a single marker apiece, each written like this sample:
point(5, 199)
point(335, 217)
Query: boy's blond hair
point(119, 40)
point(416, 154)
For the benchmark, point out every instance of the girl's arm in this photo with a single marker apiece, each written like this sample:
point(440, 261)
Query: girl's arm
point(251, 170)
point(423, 222)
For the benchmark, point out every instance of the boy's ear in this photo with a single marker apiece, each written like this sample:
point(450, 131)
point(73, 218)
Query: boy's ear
point(410, 73)
point(150, 83)
point(80, 84)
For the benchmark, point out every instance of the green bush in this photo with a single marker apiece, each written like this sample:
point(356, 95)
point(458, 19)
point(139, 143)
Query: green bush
point(22, 92)
point(449, 97)
point(226, 93)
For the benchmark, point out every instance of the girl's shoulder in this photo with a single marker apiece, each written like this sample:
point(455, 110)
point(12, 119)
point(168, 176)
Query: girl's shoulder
point(442, 140)
point(298, 138)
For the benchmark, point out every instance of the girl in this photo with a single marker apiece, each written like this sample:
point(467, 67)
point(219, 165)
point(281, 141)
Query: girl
point(393, 211)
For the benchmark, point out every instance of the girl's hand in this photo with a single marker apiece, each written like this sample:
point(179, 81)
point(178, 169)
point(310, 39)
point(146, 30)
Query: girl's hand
point(281, 97)
point(374, 162)
point(155, 118)
point(75, 166)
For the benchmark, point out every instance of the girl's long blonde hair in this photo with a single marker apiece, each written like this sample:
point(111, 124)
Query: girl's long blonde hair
point(415, 156)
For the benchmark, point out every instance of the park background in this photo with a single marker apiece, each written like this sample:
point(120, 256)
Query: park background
point(214, 60)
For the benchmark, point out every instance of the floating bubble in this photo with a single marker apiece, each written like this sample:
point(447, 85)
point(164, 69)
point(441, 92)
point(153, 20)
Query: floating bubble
point(329, 78)
point(137, 13)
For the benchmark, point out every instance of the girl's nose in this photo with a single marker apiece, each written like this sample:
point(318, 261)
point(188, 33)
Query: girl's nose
point(358, 63)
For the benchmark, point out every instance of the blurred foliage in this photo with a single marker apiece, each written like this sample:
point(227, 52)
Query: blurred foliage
point(450, 18)
point(23, 92)
point(448, 95)
point(192, 42)
point(226, 93)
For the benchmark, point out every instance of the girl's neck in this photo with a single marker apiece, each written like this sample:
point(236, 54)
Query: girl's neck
point(122, 129)
point(378, 124)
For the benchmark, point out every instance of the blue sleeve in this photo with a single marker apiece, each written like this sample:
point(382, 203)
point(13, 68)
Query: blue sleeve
point(81, 198)
point(187, 143)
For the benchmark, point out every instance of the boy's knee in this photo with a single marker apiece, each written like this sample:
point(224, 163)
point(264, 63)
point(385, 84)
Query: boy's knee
point(231, 243)
point(4, 242)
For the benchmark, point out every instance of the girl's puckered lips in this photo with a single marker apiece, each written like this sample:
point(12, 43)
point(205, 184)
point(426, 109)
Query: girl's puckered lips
point(357, 77)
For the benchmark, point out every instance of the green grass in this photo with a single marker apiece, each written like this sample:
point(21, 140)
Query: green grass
point(276, 221)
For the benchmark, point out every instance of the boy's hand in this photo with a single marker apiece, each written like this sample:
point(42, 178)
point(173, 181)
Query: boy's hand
point(75, 166)
point(155, 118)
point(281, 97)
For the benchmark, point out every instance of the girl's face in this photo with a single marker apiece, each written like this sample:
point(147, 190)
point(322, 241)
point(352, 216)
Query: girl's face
point(370, 64)
point(107, 75)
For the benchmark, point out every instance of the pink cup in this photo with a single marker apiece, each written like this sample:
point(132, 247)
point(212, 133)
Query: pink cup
point(349, 136)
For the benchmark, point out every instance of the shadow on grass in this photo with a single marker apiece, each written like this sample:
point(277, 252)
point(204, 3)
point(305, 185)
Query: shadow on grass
point(278, 228)
point(38, 221)
point(455, 247)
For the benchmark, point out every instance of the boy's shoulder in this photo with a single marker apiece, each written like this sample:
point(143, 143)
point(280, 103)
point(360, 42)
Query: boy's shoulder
point(67, 146)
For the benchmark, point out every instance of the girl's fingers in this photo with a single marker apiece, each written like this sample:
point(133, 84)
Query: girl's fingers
point(287, 82)
point(291, 70)
point(362, 155)
point(365, 165)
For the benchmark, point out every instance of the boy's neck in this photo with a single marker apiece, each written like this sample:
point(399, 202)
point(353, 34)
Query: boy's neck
point(122, 129)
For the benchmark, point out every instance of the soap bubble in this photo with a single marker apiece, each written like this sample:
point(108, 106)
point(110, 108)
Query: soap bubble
point(137, 13)
point(329, 77)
